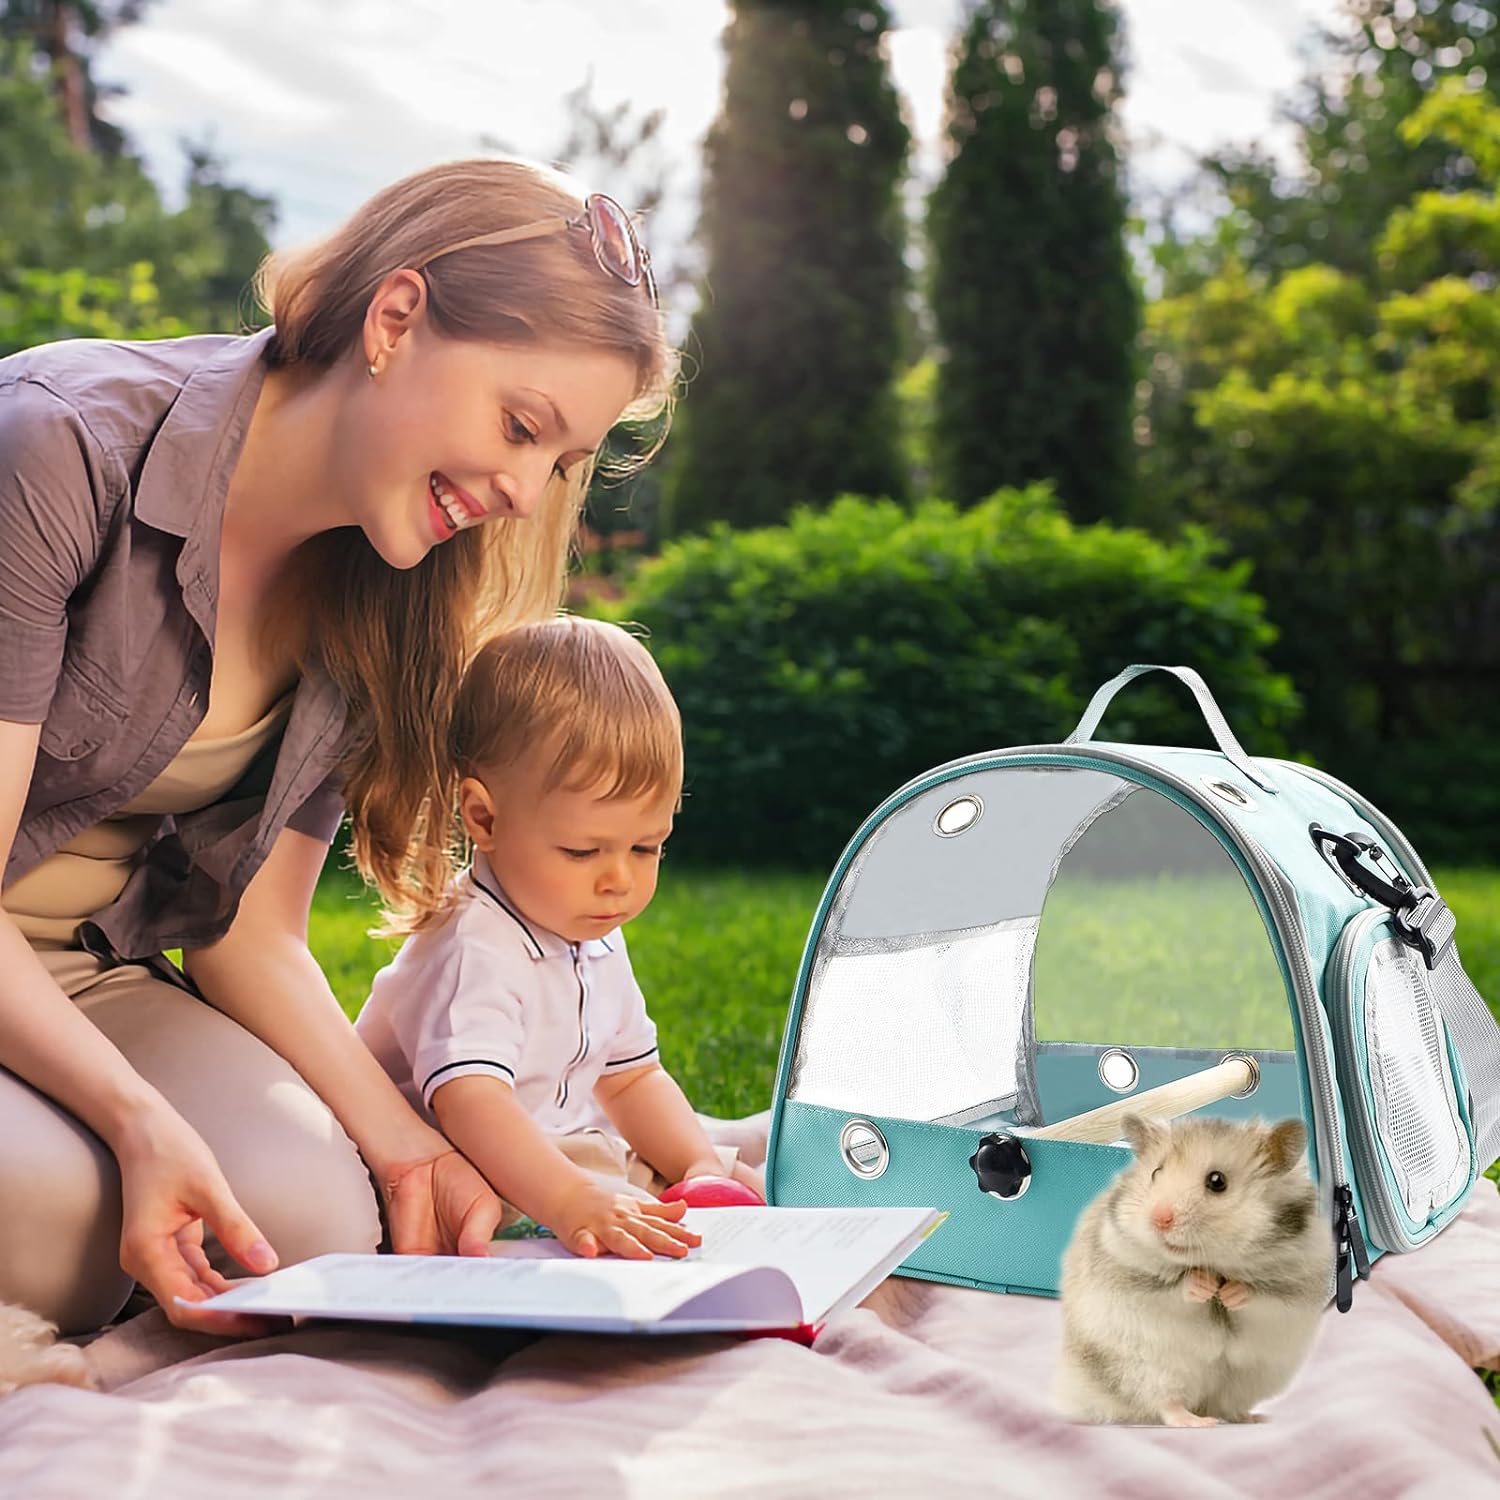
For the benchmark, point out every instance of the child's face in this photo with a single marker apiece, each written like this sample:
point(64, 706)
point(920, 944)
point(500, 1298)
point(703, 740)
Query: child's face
point(574, 862)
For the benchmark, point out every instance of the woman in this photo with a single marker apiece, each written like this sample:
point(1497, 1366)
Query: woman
point(239, 581)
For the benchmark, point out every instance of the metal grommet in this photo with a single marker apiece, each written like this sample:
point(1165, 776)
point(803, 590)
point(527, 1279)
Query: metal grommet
point(1227, 791)
point(1250, 1063)
point(1002, 1166)
point(1118, 1070)
point(959, 815)
point(864, 1149)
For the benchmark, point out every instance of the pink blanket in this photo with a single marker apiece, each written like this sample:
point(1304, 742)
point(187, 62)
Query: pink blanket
point(924, 1390)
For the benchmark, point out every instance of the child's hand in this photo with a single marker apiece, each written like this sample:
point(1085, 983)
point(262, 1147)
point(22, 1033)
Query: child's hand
point(594, 1221)
point(706, 1166)
point(748, 1177)
point(752, 1177)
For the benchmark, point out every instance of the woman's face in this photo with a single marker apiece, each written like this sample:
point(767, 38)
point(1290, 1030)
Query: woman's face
point(452, 433)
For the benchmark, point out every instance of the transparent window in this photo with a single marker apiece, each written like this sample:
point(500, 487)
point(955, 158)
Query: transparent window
point(981, 976)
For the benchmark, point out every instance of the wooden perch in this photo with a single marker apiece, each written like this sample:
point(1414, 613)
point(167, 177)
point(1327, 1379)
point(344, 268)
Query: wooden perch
point(1235, 1075)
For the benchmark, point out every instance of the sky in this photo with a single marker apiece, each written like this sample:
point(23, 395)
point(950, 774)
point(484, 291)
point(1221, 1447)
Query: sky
point(320, 102)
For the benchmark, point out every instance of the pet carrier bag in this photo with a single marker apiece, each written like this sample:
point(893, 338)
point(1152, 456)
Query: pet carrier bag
point(1016, 941)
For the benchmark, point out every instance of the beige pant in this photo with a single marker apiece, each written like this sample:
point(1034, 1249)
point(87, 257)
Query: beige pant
point(286, 1158)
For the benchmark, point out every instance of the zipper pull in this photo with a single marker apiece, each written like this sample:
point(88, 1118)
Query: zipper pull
point(1351, 1245)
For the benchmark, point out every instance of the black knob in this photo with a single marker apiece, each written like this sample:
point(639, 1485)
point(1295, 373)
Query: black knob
point(1002, 1166)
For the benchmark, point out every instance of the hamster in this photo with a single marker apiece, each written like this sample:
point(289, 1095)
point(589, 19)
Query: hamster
point(1194, 1283)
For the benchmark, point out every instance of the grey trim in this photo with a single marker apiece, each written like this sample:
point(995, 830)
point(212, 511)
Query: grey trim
point(976, 1111)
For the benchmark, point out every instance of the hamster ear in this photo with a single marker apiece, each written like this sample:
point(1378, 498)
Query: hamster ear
point(1143, 1136)
point(1285, 1143)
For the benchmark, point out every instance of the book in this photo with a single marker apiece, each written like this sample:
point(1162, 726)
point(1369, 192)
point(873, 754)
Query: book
point(758, 1269)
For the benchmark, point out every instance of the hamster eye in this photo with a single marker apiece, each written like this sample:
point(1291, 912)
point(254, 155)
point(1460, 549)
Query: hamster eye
point(1156, 1174)
point(1215, 1183)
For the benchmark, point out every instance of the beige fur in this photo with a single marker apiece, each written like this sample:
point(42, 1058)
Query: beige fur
point(30, 1355)
point(1197, 1324)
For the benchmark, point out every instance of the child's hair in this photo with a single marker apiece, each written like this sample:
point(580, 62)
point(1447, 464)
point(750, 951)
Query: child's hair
point(584, 694)
point(396, 643)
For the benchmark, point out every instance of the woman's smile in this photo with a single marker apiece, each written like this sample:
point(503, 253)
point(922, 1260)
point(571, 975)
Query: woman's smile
point(450, 507)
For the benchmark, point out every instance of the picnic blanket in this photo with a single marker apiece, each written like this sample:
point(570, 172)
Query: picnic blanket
point(923, 1389)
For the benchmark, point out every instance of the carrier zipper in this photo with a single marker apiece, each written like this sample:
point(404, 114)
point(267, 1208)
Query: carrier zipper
point(1285, 922)
point(1350, 1241)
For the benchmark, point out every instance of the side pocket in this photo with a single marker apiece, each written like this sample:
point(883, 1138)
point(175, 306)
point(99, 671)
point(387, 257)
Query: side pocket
point(80, 719)
point(1410, 1131)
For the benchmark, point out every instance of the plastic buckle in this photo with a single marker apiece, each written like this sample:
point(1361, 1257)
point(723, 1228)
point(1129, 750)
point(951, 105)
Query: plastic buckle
point(1427, 923)
point(1423, 919)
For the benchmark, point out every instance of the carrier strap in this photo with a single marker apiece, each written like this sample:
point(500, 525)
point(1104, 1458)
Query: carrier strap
point(1218, 725)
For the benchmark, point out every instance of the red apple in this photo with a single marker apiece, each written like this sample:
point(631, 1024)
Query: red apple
point(712, 1192)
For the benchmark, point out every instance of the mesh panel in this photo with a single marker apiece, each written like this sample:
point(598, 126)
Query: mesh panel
point(916, 1033)
point(1413, 1086)
point(1476, 1038)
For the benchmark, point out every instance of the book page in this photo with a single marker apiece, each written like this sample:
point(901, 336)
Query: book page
point(757, 1268)
point(828, 1253)
point(832, 1255)
point(520, 1291)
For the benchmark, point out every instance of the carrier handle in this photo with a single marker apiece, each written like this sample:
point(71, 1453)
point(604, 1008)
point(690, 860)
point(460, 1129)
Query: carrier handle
point(1218, 725)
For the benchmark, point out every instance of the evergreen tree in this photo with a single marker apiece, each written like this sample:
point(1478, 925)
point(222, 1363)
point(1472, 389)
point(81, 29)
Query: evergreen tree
point(794, 350)
point(1032, 295)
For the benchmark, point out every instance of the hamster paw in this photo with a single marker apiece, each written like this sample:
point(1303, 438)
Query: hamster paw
point(1177, 1415)
point(1200, 1285)
point(1235, 1294)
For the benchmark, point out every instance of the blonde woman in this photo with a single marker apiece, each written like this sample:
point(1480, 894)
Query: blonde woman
point(240, 580)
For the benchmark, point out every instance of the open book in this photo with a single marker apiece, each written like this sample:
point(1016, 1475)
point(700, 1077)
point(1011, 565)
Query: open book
point(758, 1268)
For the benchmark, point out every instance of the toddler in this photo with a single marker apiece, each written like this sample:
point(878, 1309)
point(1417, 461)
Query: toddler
point(512, 1017)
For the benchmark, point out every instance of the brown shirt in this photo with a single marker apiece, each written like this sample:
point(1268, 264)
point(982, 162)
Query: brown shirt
point(115, 461)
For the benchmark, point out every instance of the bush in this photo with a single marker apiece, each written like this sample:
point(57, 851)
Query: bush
point(821, 663)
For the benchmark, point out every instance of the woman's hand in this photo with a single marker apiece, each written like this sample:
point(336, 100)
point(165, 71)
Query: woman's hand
point(171, 1186)
point(439, 1204)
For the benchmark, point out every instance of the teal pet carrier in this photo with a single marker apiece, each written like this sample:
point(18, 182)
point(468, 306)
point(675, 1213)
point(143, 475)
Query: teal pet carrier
point(1016, 947)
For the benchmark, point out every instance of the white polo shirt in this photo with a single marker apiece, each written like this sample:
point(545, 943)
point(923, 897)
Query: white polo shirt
point(489, 992)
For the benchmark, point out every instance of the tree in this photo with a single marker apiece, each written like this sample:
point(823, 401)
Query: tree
point(1032, 295)
point(795, 347)
point(1339, 430)
point(86, 247)
point(63, 34)
point(1357, 167)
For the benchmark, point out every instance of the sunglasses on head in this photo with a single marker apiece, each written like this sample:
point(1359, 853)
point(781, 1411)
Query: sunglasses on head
point(617, 247)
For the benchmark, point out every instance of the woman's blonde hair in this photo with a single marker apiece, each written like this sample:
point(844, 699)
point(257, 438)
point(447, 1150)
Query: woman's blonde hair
point(396, 643)
point(582, 694)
